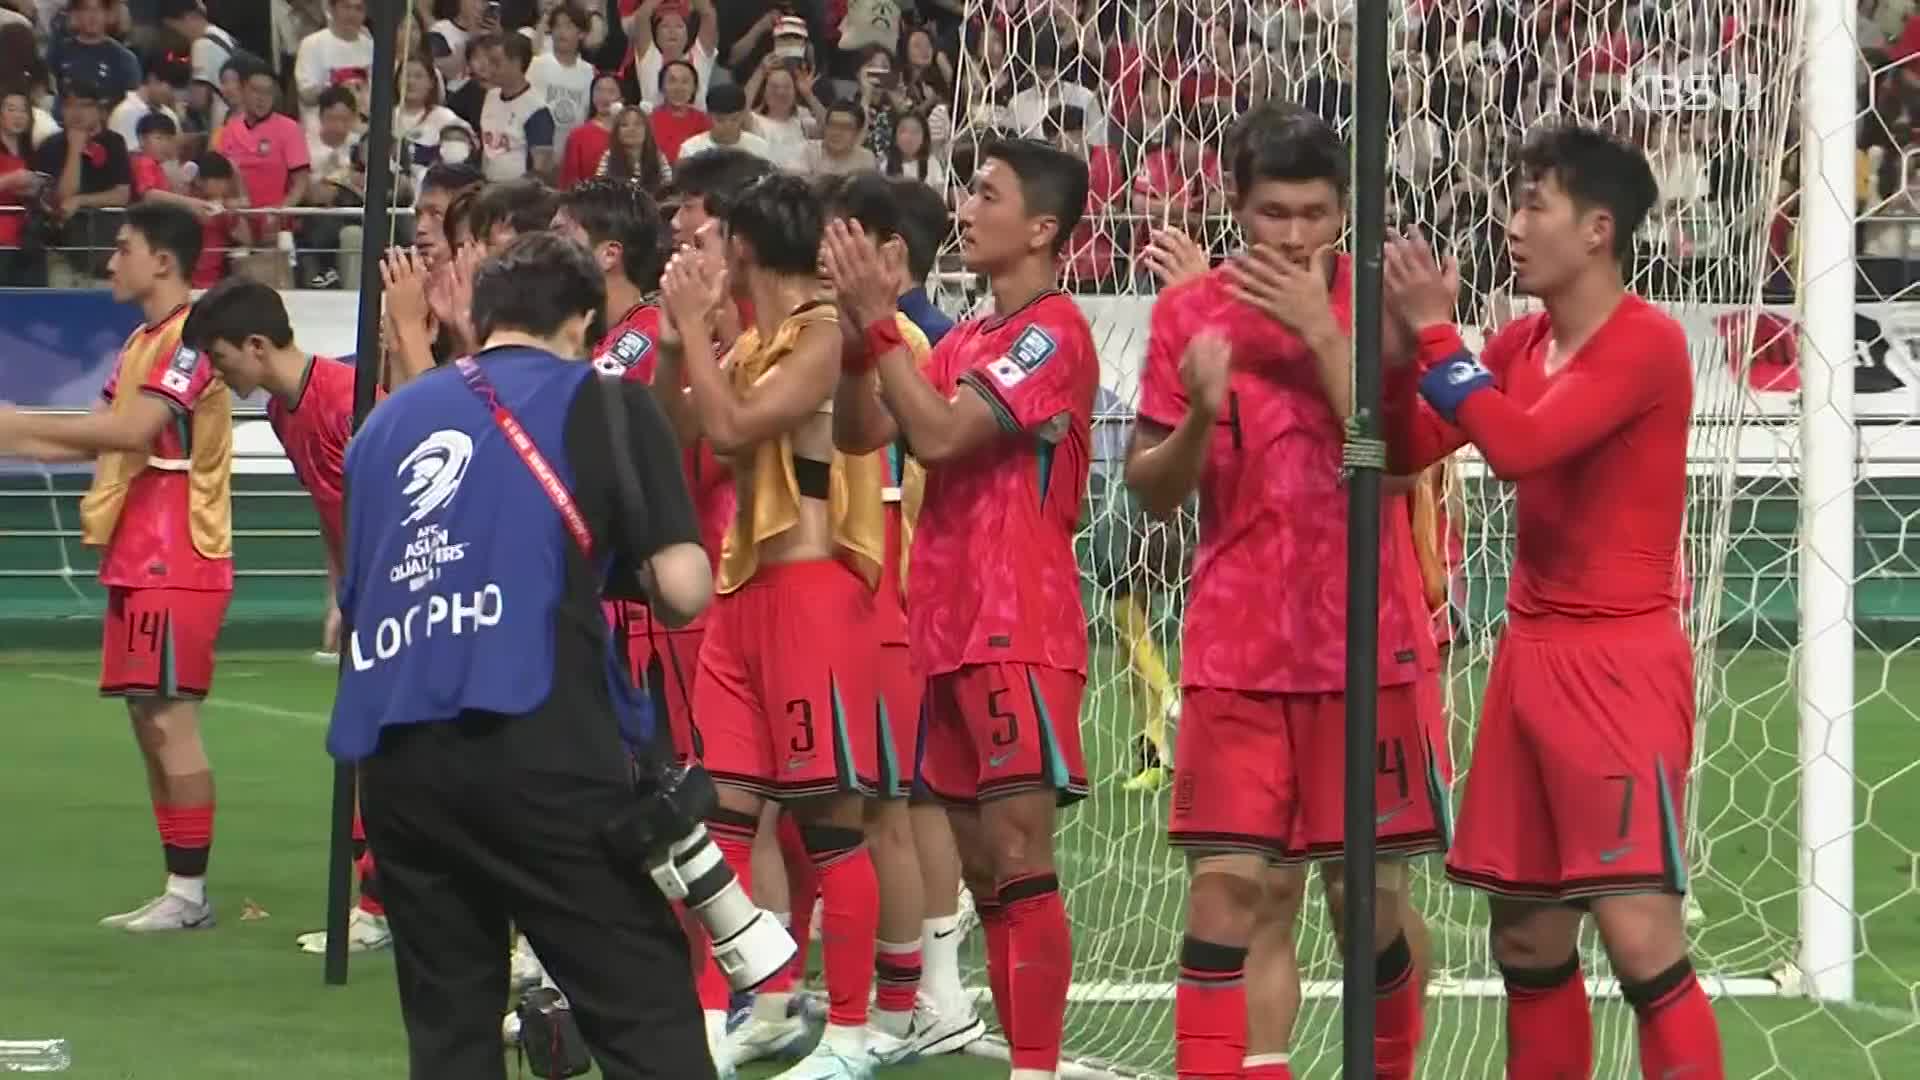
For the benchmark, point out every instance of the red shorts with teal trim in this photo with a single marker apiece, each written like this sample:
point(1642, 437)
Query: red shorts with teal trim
point(897, 734)
point(785, 701)
point(1579, 772)
point(160, 642)
point(994, 730)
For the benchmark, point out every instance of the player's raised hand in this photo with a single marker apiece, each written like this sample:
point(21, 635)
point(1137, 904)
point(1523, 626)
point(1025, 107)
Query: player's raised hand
point(1173, 257)
point(1291, 294)
point(867, 288)
point(1204, 371)
point(403, 276)
point(1420, 289)
point(692, 288)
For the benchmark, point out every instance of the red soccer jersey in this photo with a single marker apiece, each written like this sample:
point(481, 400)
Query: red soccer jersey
point(628, 350)
point(1267, 605)
point(1597, 453)
point(994, 578)
point(314, 431)
point(152, 544)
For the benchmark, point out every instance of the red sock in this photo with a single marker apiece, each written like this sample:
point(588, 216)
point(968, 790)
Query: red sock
point(1263, 1068)
point(1549, 1027)
point(896, 976)
point(993, 923)
point(369, 885)
point(1678, 1031)
point(186, 837)
point(803, 888)
point(1210, 1010)
point(1397, 1020)
point(733, 834)
point(849, 919)
point(1040, 947)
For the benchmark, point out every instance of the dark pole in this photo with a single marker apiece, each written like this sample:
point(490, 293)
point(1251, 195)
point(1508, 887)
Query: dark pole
point(1365, 460)
point(385, 22)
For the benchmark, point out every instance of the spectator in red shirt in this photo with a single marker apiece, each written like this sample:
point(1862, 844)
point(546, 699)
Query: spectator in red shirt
point(159, 139)
point(20, 188)
point(588, 142)
point(217, 186)
point(1178, 182)
point(1092, 255)
point(676, 119)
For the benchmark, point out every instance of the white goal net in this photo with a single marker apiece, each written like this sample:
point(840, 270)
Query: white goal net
point(1798, 715)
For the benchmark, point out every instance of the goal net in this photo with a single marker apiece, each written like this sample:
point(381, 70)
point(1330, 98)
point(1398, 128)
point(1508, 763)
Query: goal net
point(1712, 91)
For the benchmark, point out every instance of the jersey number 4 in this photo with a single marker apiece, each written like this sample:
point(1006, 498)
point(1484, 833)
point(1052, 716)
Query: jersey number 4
point(143, 633)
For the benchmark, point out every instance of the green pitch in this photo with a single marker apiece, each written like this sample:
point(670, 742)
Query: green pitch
point(242, 1002)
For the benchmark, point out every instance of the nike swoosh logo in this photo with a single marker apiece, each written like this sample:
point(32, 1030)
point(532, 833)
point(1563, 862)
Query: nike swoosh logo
point(998, 760)
point(938, 936)
point(1613, 855)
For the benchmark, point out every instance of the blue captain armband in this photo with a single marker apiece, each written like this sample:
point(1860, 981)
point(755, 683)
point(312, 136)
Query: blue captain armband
point(1448, 384)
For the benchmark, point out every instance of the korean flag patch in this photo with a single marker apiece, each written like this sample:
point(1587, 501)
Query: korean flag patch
point(179, 375)
point(1033, 348)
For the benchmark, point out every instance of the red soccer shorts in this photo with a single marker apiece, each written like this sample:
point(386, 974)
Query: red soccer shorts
point(665, 663)
point(902, 689)
point(994, 730)
point(1579, 769)
point(159, 642)
point(785, 696)
point(1263, 773)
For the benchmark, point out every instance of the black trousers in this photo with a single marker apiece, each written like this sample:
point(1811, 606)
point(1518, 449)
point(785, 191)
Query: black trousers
point(492, 821)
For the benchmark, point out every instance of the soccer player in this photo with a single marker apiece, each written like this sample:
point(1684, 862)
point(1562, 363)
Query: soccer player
point(1580, 767)
point(1243, 394)
point(502, 212)
point(1000, 416)
point(438, 189)
point(785, 693)
point(160, 507)
point(242, 327)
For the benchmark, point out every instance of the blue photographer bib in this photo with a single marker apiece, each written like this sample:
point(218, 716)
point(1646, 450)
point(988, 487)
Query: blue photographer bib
point(456, 557)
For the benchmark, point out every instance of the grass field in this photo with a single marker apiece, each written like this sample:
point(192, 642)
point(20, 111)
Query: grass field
point(242, 1002)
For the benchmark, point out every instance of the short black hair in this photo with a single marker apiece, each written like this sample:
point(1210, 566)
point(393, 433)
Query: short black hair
point(867, 198)
point(448, 177)
point(691, 70)
point(169, 228)
point(459, 215)
point(923, 223)
point(1066, 118)
point(213, 165)
point(180, 9)
point(336, 95)
point(782, 219)
point(575, 13)
point(539, 282)
point(851, 108)
point(155, 123)
point(233, 311)
point(1053, 183)
point(1597, 171)
point(482, 41)
point(616, 211)
point(525, 205)
point(718, 175)
point(81, 90)
point(518, 49)
point(167, 66)
point(1278, 140)
point(725, 99)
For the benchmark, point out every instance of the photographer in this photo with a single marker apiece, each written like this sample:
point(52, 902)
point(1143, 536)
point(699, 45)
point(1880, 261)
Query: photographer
point(486, 515)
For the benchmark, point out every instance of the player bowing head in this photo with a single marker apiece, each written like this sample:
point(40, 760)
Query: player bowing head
point(1583, 196)
point(1573, 805)
point(785, 689)
point(1248, 375)
point(1000, 414)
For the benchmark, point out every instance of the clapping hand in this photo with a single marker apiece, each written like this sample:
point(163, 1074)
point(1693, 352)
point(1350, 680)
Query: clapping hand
point(693, 285)
point(1420, 289)
point(1293, 295)
point(403, 276)
point(1204, 371)
point(1173, 257)
point(866, 287)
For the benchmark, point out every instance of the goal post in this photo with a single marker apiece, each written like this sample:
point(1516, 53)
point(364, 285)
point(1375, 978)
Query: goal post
point(1800, 503)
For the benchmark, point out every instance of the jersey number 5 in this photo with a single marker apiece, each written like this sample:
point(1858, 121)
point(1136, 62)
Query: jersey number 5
point(1009, 732)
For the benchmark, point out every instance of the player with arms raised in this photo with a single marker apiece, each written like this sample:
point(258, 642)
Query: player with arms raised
point(242, 327)
point(1001, 419)
point(1580, 766)
point(1246, 384)
point(160, 506)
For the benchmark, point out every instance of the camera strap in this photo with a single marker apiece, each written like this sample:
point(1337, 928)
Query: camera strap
point(530, 454)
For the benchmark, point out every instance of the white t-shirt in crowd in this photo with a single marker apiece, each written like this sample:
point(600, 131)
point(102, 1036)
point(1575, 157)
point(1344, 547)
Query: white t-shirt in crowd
point(648, 73)
point(567, 90)
point(210, 53)
point(510, 130)
point(1031, 108)
point(416, 134)
point(331, 162)
point(455, 37)
point(751, 143)
point(126, 116)
point(787, 139)
point(325, 59)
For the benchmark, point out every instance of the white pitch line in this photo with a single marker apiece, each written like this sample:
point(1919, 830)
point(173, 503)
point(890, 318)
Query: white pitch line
point(312, 719)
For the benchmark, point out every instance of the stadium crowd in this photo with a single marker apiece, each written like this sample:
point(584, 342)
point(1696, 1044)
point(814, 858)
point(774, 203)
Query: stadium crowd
point(234, 107)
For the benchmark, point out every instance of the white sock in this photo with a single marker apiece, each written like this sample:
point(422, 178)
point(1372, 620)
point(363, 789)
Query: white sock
point(716, 1020)
point(940, 960)
point(1252, 1061)
point(847, 1041)
point(1033, 1074)
point(770, 1005)
point(887, 1022)
point(188, 888)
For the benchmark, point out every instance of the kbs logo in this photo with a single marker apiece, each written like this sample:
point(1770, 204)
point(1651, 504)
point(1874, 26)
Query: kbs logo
point(1699, 92)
